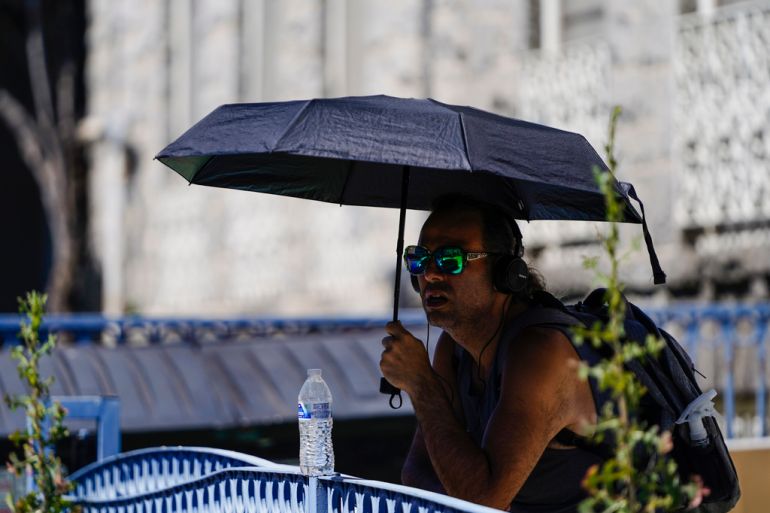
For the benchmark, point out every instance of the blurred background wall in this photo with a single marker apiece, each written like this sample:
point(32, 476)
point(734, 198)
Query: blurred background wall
point(693, 78)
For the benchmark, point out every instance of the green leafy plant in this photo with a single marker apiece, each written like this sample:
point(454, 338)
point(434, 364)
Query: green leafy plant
point(35, 456)
point(639, 477)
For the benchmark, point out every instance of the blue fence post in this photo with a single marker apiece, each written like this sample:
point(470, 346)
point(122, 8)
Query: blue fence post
point(728, 344)
point(317, 496)
point(105, 410)
point(692, 337)
point(108, 428)
point(29, 479)
point(760, 330)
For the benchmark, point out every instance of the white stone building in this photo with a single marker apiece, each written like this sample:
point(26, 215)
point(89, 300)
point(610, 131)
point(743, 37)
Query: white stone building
point(693, 79)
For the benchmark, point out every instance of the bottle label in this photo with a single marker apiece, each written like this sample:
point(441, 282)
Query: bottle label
point(314, 411)
point(321, 411)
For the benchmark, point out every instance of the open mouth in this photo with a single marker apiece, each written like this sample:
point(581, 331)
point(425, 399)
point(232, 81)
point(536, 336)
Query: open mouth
point(435, 300)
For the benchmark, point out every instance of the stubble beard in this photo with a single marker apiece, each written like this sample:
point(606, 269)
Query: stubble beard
point(458, 321)
point(439, 320)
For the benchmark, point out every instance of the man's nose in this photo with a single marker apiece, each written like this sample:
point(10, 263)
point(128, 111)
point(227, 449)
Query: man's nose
point(432, 272)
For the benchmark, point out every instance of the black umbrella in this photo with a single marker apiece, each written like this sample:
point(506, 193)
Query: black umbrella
point(393, 152)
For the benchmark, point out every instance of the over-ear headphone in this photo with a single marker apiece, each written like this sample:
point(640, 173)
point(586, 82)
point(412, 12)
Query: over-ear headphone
point(509, 272)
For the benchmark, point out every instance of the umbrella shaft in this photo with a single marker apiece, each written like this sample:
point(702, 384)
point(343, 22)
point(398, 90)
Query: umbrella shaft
point(400, 243)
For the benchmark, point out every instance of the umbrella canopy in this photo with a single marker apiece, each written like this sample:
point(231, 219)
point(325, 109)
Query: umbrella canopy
point(395, 152)
point(383, 151)
point(352, 151)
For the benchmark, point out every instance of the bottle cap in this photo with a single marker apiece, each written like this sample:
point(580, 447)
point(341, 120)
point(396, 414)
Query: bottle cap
point(314, 372)
point(702, 406)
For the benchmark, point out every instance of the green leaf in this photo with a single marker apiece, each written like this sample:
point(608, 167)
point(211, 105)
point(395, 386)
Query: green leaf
point(636, 479)
point(18, 437)
point(37, 447)
point(591, 263)
point(13, 403)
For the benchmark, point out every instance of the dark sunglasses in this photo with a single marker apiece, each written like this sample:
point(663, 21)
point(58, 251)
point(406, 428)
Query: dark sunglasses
point(449, 259)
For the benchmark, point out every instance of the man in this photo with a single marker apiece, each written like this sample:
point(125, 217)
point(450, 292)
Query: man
point(490, 407)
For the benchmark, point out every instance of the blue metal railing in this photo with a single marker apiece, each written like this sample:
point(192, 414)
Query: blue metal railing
point(688, 323)
point(724, 321)
point(268, 488)
point(93, 328)
point(148, 470)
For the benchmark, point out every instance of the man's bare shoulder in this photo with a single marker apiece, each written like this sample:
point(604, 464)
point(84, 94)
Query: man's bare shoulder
point(539, 391)
point(542, 366)
point(550, 342)
point(540, 356)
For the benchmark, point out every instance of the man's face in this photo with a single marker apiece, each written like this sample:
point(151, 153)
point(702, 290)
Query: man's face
point(452, 300)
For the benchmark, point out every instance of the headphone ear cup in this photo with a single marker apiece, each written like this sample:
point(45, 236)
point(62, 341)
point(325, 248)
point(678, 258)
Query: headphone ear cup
point(509, 274)
point(415, 283)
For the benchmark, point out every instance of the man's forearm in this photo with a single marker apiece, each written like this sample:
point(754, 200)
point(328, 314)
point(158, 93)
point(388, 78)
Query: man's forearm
point(460, 465)
point(422, 477)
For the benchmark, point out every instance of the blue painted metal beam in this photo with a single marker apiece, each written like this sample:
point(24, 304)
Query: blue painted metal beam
point(105, 410)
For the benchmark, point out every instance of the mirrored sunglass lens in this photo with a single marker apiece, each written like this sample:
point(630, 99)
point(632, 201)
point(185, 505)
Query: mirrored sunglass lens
point(450, 260)
point(416, 258)
point(416, 265)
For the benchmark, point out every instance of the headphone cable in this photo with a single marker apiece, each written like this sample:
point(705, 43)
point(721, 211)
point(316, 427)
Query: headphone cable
point(481, 354)
point(442, 378)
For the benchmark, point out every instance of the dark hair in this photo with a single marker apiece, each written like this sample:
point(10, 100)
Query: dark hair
point(500, 234)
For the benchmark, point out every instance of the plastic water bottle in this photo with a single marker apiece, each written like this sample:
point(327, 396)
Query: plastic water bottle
point(314, 410)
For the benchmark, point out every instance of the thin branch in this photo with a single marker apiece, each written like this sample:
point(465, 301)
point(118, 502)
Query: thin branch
point(27, 134)
point(65, 102)
point(36, 62)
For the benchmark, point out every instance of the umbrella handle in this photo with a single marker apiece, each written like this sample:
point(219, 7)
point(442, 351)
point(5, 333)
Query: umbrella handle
point(386, 388)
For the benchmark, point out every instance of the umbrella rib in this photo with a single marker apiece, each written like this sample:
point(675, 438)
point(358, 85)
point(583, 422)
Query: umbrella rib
point(292, 123)
point(345, 185)
point(204, 166)
point(465, 140)
point(506, 183)
point(462, 130)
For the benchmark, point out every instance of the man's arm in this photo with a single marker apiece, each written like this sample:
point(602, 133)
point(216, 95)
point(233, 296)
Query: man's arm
point(535, 403)
point(418, 469)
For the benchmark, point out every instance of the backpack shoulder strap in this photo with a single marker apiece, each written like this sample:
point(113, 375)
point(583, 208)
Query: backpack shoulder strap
point(563, 320)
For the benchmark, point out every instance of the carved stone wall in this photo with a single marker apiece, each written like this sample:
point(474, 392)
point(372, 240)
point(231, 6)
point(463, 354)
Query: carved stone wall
point(626, 62)
point(571, 91)
point(167, 248)
point(693, 138)
point(722, 73)
point(722, 141)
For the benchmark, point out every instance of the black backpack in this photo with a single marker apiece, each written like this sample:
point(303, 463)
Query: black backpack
point(671, 386)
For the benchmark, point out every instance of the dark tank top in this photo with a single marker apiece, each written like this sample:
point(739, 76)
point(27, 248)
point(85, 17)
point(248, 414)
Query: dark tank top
point(554, 485)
